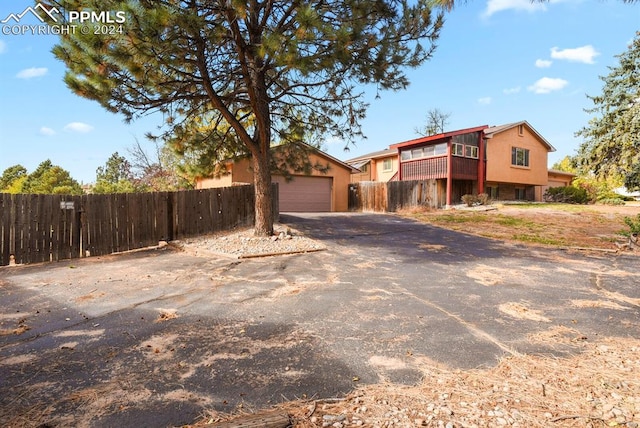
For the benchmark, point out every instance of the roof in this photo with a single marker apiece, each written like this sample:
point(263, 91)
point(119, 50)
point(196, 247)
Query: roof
point(489, 132)
point(436, 137)
point(321, 153)
point(374, 155)
point(558, 172)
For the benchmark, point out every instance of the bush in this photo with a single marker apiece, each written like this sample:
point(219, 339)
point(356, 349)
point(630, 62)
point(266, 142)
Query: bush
point(634, 225)
point(470, 200)
point(612, 201)
point(567, 194)
point(483, 199)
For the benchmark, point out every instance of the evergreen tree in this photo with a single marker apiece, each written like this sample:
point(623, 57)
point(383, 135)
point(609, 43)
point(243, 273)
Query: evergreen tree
point(51, 179)
point(253, 71)
point(611, 147)
point(115, 176)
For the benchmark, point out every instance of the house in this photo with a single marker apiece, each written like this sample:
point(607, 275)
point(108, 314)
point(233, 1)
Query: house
point(320, 189)
point(509, 162)
point(556, 179)
point(377, 166)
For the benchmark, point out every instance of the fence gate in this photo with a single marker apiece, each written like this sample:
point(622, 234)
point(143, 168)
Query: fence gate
point(39, 228)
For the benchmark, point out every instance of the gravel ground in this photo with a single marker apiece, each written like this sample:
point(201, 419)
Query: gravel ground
point(242, 243)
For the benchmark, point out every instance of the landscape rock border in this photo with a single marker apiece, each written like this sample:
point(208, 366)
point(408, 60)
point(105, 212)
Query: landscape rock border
point(242, 243)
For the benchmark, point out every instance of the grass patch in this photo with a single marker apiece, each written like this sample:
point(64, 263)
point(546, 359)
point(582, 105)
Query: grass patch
point(514, 221)
point(537, 239)
point(454, 218)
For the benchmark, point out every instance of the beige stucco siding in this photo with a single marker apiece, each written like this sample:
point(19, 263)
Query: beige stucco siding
point(499, 167)
point(241, 173)
point(381, 174)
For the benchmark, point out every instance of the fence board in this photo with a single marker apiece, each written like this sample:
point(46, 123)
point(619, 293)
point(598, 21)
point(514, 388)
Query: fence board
point(37, 228)
point(392, 196)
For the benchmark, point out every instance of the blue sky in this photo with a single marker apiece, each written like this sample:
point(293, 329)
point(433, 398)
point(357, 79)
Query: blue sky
point(497, 61)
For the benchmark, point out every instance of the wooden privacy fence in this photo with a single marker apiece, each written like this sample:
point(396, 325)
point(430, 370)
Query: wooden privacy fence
point(393, 195)
point(41, 228)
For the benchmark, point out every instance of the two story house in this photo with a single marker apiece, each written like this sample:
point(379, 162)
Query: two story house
point(509, 162)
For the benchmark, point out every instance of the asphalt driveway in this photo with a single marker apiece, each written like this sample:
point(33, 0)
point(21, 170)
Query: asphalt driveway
point(153, 338)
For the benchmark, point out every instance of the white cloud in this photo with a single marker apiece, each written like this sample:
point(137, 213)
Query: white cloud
point(3, 47)
point(543, 63)
point(495, 6)
point(47, 131)
point(584, 54)
point(484, 100)
point(29, 73)
point(78, 127)
point(510, 91)
point(547, 84)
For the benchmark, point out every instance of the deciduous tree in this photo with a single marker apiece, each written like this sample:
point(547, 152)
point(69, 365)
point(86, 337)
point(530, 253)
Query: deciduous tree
point(259, 71)
point(437, 122)
point(12, 175)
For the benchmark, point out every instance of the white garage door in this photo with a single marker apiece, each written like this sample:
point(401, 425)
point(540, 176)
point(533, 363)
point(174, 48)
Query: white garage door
point(304, 194)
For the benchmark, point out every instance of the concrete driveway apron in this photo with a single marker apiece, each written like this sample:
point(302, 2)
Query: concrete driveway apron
point(161, 336)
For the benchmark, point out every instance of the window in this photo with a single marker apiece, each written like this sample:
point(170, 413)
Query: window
point(429, 150)
point(520, 129)
point(386, 165)
point(493, 192)
point(471, 152)
point(424, 152)
point(520, 194)
point(519, 157)
point(457, 149)
point(440, 149)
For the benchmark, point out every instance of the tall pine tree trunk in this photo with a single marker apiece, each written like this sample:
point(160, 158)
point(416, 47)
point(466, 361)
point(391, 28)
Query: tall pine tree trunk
point(263, 204)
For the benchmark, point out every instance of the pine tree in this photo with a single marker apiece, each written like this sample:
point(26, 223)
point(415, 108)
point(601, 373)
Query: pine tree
point(252, 72)
point(611, 147)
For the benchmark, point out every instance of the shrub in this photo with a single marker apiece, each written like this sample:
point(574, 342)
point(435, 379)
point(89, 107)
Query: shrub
point(470, 200)
point(567, 194)
point(612, 201)
point(483, 199)
point(634, 225)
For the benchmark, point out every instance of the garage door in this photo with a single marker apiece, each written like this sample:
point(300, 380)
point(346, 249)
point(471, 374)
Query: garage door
point(304, 194)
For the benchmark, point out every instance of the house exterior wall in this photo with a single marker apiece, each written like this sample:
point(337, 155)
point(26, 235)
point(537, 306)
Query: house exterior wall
point(499, 166)
point(241, 173)
point(365, 175)
point(224, 180)
point(556, 179)
point(375, 170)
point(380, 173)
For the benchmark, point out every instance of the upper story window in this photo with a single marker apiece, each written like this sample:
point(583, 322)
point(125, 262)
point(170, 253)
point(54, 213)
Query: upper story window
point(387, 165)
point(520, 129)
point(471, 152)
point(424, 152)
point(519, 157)
point(457, 149)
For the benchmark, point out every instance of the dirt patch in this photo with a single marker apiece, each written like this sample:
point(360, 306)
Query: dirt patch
point(584, 226)
point(597, 387)
point(521, 311)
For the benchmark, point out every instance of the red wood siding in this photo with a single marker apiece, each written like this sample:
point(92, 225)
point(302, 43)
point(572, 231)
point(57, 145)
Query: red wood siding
point(464, 168)
point(425, 169)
